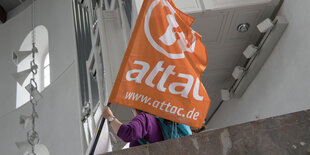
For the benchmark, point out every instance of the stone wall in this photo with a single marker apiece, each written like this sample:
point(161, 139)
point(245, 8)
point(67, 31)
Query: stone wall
point(283, 135)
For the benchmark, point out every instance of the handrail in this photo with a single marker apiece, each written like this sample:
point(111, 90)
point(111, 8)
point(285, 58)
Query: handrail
point(92, 151)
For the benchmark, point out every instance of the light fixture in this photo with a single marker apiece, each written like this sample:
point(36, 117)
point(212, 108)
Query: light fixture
point(273, 30)
point(20, 77)
point(244, 27)
point(31, 146)
point(225, 94)
point(19, 56)
point(25, 120)
point(250, 51)
point(238, 72)
point(33, 91)
point(266, 25)
point(25, 148)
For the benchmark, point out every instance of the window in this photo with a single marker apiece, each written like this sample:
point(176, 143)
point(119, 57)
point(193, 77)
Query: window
point(128, 10)
point(46, 71)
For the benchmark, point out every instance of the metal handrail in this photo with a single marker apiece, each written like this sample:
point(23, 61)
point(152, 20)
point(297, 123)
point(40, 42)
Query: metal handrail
point(98, 135)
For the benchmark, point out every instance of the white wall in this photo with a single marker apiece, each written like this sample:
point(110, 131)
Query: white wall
point(59, 116)
point(58, 124)
point(283, 84)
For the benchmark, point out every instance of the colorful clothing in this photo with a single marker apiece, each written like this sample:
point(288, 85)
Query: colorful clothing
point(142, 126)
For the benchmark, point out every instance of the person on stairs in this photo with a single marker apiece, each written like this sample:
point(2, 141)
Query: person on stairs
point(143, 126)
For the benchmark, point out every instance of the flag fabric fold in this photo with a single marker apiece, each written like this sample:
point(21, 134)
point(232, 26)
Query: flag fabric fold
point(160, 72)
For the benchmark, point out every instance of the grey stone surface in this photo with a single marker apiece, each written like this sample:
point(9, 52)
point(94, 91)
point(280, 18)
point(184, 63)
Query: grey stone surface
point(283, 135)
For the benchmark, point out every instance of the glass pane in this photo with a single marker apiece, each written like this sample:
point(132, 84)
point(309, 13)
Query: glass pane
point(47, 60)
point(86, 131)
point(47, 76)
point(95, 91)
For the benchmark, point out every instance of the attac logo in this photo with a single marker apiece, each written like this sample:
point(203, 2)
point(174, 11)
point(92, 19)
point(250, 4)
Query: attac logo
point(172, 34)
point(161, 69)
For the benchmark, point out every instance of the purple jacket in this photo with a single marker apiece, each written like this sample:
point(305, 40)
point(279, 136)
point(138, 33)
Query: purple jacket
point(142, 126)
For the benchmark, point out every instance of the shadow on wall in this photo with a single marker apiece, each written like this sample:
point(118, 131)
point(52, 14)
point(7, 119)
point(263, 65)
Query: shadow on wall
point(42, 60)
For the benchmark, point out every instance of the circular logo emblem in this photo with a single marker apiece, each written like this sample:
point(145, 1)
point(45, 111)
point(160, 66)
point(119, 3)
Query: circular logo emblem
point(173, 34)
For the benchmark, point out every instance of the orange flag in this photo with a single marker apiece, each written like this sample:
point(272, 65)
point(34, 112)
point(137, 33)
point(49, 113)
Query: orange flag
point(161, 69)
